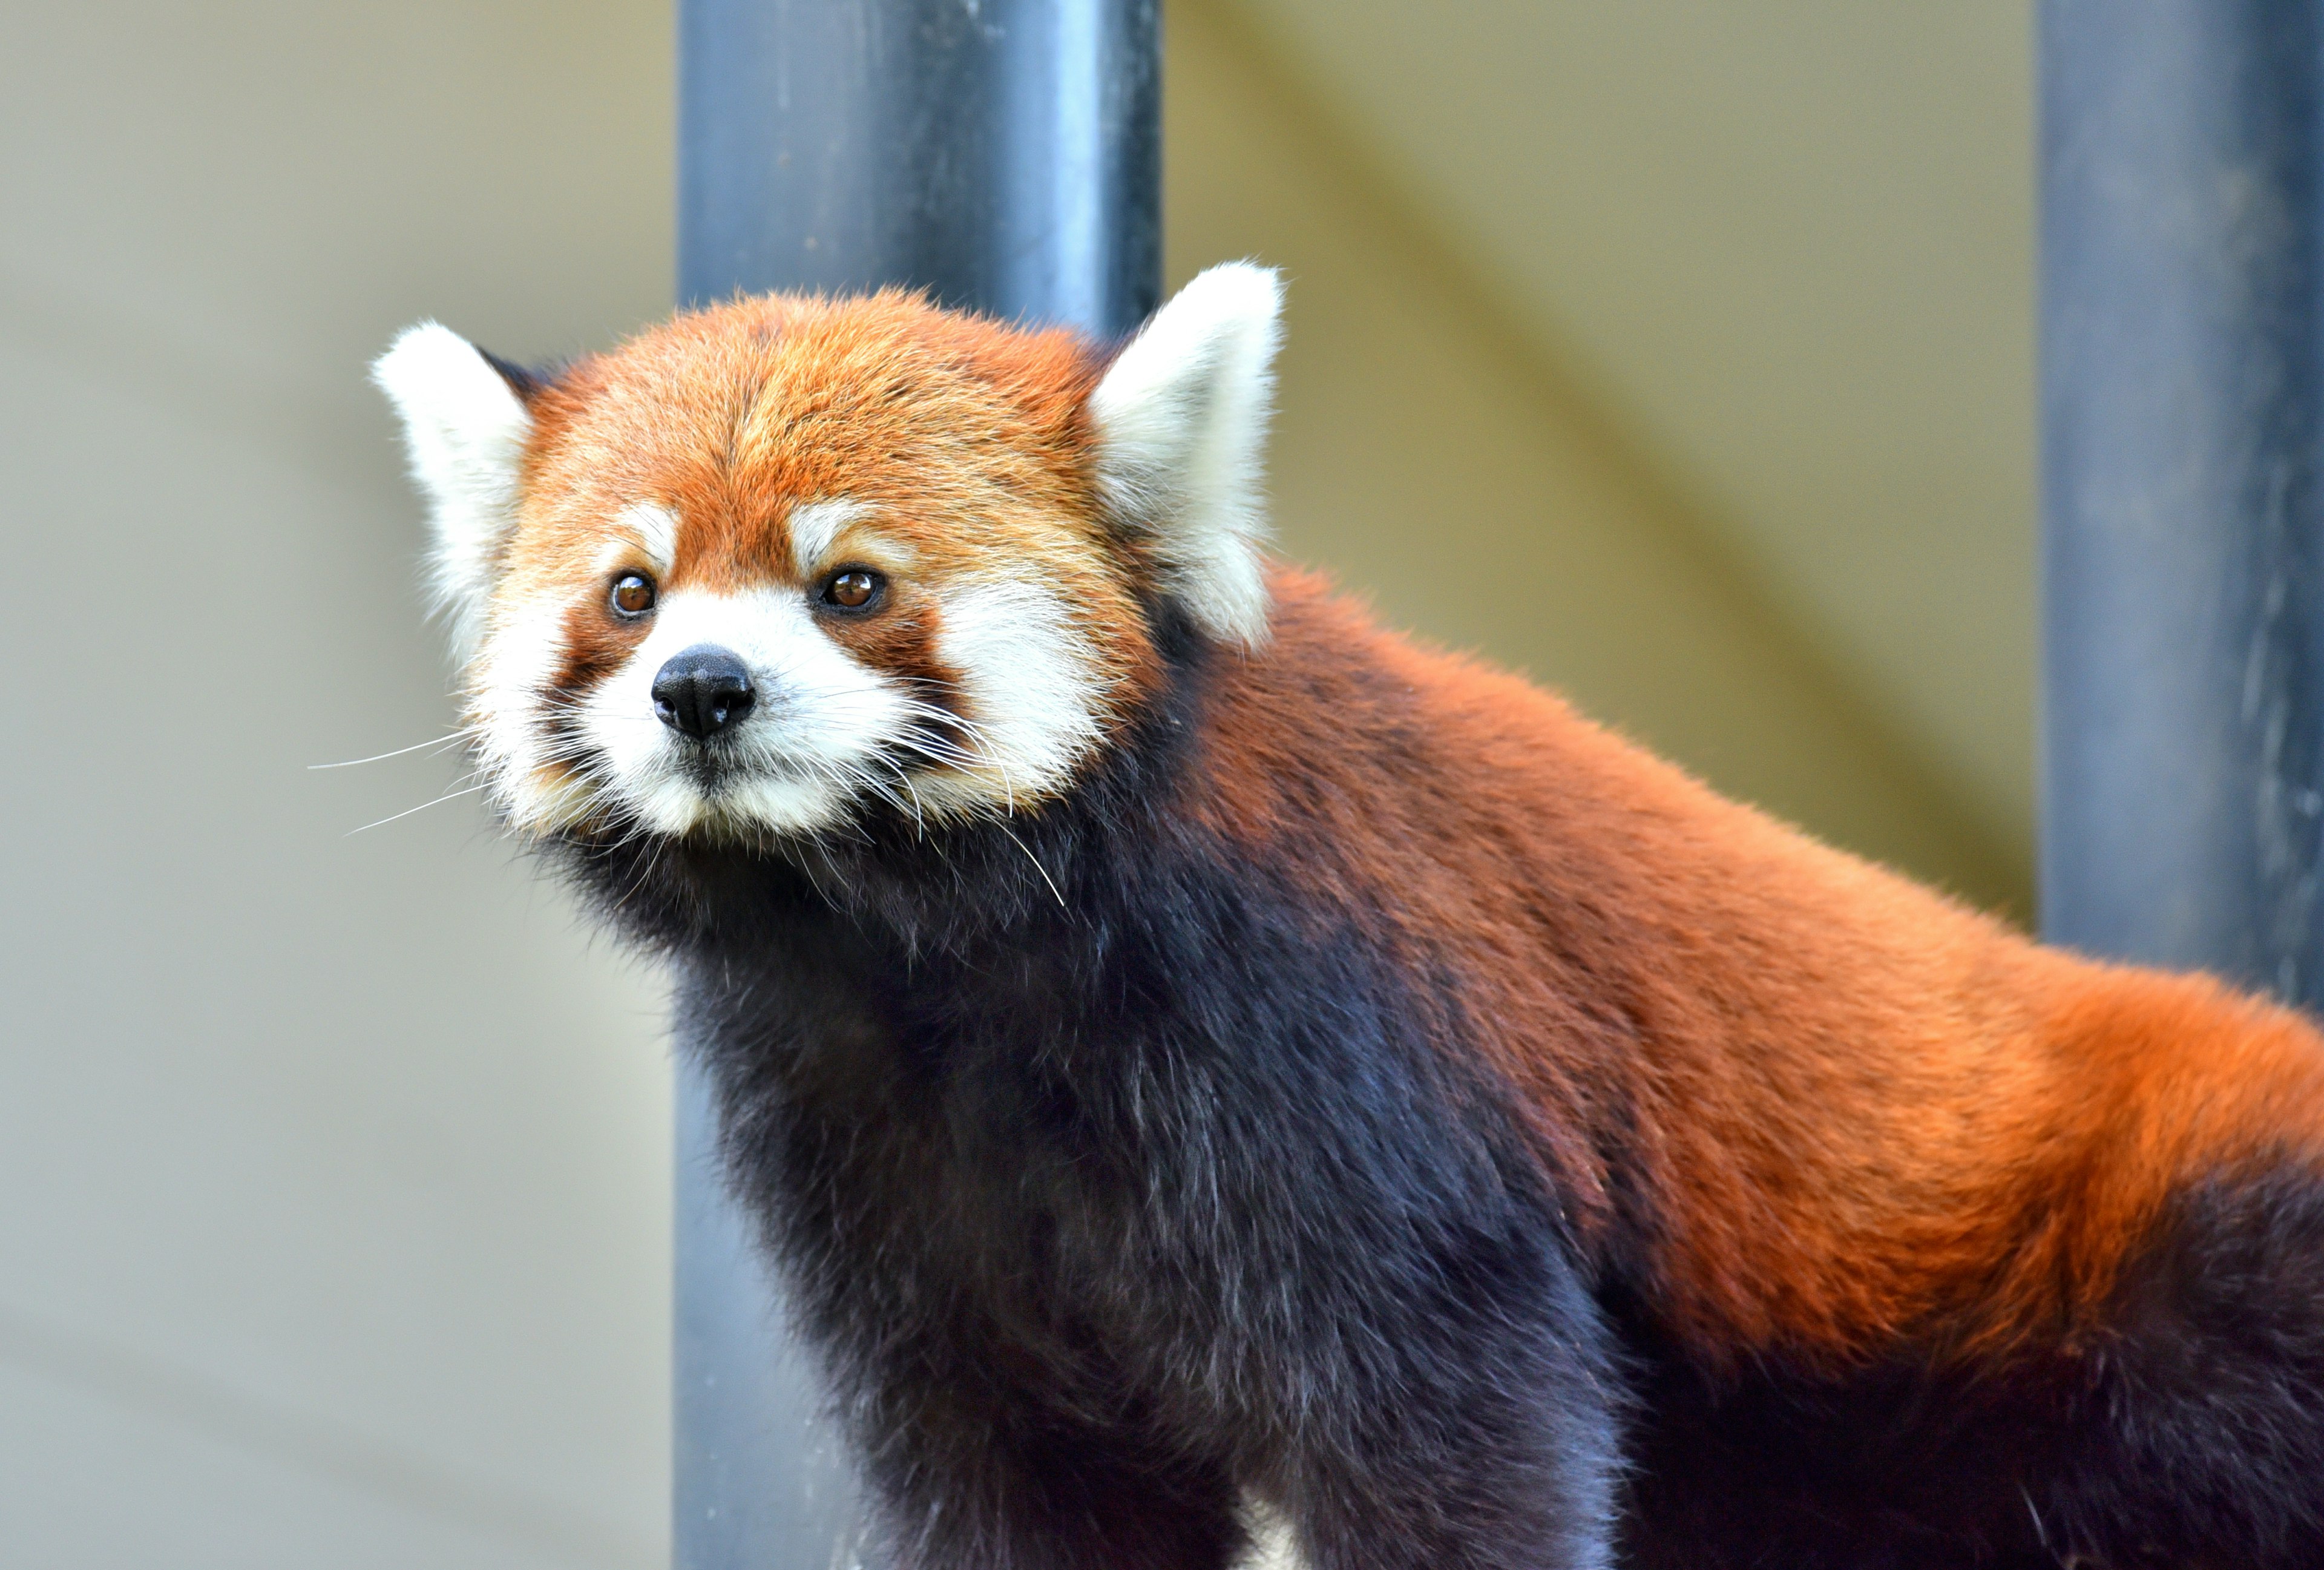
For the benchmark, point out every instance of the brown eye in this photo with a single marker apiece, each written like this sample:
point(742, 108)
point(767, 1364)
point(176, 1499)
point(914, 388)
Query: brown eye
point(852, 590)
point(634, 594)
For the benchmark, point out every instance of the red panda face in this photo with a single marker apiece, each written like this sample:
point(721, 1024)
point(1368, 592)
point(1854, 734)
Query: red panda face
point(781, 563)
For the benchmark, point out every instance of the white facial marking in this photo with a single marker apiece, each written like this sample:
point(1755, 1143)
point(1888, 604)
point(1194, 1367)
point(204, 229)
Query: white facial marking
point(654, 528)
point(1182, 424)
point(1031, 687)
point(815, 530)
point(825, 736)
point(809, 746)
point(521, 655)
point(465, 430)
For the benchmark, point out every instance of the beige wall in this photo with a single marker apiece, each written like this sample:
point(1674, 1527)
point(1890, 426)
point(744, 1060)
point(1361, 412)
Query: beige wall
point(337, 1165)
point(1790, 242)
point(1431, 459)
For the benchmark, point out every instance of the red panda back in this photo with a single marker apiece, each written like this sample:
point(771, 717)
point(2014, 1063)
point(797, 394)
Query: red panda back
point(1838, 1107)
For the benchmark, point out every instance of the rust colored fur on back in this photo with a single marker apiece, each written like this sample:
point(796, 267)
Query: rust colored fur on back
point(1828, 1106)
point(1202, 1057)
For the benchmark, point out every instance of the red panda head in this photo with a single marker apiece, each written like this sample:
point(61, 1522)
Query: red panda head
point(776, 562)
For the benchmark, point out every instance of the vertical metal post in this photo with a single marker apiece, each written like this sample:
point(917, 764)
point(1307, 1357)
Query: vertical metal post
point(2181, 369)
point(1006, 155)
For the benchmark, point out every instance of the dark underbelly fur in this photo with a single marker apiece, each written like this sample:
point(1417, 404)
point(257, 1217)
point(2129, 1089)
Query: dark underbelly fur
point(1107, 1206)
point(1079, 1288)
point(2189, 1434)
point(1084, 1276)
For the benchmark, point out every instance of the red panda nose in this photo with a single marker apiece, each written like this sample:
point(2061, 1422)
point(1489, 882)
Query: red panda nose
point(701, 691)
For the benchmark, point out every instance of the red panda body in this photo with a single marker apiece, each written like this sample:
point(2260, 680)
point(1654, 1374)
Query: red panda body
point(1196, 1052)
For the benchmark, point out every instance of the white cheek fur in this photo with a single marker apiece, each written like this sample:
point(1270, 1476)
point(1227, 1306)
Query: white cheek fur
point(807, 749)
point(827, 731)
point(1031, 689)
point(523, 647)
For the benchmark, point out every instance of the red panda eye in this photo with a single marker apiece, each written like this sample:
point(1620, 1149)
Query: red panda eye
point(633, 595)
point(852, 590)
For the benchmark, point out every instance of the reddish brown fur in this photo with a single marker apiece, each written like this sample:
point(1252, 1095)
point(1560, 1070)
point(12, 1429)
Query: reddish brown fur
point(1841, 1108)
point(1855, 1108)
point(965, 437)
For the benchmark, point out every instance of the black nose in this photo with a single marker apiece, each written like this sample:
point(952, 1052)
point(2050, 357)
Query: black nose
point(701, 691)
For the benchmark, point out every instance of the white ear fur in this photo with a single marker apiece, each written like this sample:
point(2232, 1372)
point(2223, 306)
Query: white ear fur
point(1182, 424)
point(464, 430)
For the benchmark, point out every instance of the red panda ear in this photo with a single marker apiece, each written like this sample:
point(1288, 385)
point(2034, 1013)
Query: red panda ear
point(1181, 420)
point(465, 426)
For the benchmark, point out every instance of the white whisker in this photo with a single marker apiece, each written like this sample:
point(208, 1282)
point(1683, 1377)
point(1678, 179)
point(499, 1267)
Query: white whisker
point(447, 796)
point(457, 736)
point(1037, 867)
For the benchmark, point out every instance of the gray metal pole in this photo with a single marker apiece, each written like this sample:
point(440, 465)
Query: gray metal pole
point(2183, 789)
point(1005, 155)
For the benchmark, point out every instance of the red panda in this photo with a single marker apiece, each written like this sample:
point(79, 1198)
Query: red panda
point(1199, 1057)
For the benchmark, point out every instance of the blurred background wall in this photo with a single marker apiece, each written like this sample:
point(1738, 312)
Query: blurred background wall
point(1677, 352)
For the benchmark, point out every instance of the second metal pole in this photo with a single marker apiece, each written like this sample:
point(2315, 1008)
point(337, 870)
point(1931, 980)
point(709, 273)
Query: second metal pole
point(2183, 359)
